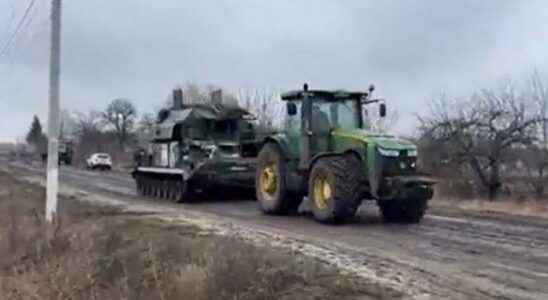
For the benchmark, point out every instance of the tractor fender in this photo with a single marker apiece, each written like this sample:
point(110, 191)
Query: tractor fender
point(316, 157)
point(295, 183)
point(279, 141)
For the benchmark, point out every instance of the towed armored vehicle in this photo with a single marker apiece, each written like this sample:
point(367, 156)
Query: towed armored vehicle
point(325, 153)
point(197, 147)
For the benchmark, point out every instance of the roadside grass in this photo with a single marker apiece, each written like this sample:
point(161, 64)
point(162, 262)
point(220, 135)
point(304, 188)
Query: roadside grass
point(508, 206)
point(103, 253)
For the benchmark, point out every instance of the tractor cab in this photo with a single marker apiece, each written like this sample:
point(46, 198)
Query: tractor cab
point(313, 115)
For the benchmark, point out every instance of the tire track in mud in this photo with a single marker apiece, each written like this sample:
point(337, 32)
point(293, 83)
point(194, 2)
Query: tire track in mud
point(441, 258)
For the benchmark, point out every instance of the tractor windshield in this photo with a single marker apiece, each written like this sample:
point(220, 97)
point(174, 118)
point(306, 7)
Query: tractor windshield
point(340, 114)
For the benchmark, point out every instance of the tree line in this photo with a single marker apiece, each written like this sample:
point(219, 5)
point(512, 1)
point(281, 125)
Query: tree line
point(494, 141)
point(119, 129)
point(491, 143)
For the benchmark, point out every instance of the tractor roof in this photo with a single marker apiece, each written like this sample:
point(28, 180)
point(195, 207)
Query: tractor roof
point(332, 95)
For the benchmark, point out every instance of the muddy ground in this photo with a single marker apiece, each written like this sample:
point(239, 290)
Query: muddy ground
point(447, 256)
point(104, 252)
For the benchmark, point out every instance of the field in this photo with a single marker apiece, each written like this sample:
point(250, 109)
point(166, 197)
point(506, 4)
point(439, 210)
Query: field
point(99, 252)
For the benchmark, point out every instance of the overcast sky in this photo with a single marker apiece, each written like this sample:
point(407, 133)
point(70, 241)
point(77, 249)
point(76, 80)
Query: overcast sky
point(140, 49)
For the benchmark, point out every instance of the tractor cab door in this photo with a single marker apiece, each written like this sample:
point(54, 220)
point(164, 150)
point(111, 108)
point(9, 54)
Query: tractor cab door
point(292, 125)
point(321, 126)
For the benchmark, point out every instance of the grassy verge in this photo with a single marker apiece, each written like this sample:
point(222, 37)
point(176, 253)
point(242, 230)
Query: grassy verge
point(103, 253)
point(502, 208)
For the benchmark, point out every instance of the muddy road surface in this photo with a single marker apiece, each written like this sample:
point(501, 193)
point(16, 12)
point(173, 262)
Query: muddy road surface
point(441, 258)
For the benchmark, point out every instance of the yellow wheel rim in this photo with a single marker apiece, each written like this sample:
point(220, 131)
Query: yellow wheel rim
point(322, 192)
point(268, 181)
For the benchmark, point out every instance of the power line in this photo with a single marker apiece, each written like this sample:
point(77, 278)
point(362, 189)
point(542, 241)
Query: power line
point(17, 29)
point(10, 21)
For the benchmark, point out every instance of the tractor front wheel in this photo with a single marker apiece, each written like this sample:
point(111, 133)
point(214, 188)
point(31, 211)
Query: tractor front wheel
point(333, 189)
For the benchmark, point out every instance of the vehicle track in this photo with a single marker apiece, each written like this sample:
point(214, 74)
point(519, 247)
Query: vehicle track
point(444, 257)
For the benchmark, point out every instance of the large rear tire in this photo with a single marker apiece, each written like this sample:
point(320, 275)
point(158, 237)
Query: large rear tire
point(403, 210)
point(334, 188)
point(270, 182)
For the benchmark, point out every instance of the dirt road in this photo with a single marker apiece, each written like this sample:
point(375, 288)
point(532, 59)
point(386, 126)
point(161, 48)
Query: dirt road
point(441, 258)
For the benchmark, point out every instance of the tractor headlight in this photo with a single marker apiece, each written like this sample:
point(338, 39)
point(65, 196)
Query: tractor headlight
point(389, 152)
point(412, 153)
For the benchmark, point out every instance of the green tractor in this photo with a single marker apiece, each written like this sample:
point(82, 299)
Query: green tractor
point(325, 153)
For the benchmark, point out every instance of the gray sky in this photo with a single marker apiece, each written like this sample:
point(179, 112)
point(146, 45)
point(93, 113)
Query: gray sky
point(140, 49)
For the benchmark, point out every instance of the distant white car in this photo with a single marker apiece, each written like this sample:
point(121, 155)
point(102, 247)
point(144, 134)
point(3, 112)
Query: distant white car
point(101, 161)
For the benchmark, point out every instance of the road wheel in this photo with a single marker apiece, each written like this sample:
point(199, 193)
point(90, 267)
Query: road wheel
point(182, 192)
point(150, 188)
point(333, 189)
point(143, 187)
point(140, 186)
point(165, 189)
point(270, 185)
point(147, 190)
point(171, 190)
point(156, 189)
point(403, 210)
point(161, 189)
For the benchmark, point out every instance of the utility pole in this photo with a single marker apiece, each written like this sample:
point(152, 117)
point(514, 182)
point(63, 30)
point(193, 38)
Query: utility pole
point(53, 112)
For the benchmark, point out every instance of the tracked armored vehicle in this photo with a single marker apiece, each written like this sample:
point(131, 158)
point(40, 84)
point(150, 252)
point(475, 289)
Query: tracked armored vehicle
point(197, 148)
point(66, 152)
point(326, 154)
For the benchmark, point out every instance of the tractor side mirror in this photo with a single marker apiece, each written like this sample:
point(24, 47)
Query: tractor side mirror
point(382, 110)
point(291, 108)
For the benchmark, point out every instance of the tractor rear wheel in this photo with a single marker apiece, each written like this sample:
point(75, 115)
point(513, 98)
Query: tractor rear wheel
point(334, 188)
point(403, 210)
point(270, 184)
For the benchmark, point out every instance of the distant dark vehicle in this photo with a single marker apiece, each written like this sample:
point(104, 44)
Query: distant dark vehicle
point(197, 147)
point(66, 152)
point(100, 161)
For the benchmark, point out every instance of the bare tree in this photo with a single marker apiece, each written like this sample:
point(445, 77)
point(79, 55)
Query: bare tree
point(535, 158)
point(145, 127)
point(194, 94)
point(88, 134)
point(68, 125)
point(481, 131)
point(375, 123)
point(88, 123)
point(120, 114)
point(265, 104)
point(539, 95)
